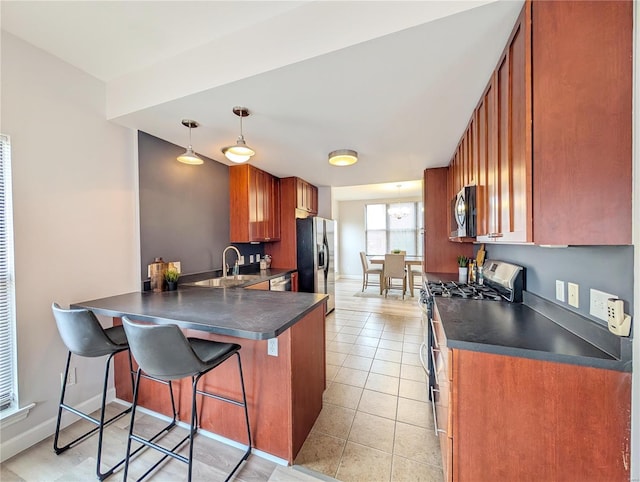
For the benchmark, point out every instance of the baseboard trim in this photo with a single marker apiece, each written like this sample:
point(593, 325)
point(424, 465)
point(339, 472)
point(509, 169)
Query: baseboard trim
point(34, 435)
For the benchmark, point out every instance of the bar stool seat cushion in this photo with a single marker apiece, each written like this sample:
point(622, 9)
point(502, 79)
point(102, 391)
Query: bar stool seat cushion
point(165, 353)
point(211, 352)
point(117, 335)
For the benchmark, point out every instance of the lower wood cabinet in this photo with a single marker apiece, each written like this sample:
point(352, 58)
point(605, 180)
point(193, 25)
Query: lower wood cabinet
point(505, 418)
point(528, 420)
point(284, 392)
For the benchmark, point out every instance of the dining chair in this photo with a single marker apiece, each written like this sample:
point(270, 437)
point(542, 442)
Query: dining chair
point(367, 270)
point(394, 268)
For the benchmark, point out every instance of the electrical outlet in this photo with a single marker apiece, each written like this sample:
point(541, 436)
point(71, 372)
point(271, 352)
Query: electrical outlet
point(574, 291)
point(560, 290)
point(258, 258)
point(598, 303)
point(250, 258)
point(272, 346)
point(241, 260)
point(71, 376)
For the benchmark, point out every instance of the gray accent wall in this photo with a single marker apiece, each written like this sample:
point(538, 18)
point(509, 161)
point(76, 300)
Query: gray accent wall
point(184, 210)
point(605, 268)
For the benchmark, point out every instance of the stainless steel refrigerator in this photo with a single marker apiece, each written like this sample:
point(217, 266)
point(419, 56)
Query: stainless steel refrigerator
point(316, 256)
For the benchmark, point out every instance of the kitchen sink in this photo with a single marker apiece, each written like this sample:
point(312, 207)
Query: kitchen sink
point(228, 282)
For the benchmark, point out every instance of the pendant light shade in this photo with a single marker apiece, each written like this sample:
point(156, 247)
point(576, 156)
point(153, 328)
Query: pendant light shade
point(343, 157)
point(240, 152)
point(190, 157)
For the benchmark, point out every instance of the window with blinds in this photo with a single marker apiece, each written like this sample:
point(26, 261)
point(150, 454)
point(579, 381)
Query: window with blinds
point(392, 226)
point(8, 396)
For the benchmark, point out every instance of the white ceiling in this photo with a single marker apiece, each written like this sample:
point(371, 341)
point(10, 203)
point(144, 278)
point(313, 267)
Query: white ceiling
point(396, 81)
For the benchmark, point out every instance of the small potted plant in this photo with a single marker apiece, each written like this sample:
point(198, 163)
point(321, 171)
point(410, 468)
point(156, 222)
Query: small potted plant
point(171, 277)
point(463, 263)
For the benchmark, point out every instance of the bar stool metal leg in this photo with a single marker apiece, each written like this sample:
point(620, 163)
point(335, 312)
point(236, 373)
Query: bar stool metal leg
point(163, 352)
point(149, 442)
point(100, 423)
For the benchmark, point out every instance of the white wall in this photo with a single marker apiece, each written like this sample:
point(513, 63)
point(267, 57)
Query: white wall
point(75, 217)
point(351, 233)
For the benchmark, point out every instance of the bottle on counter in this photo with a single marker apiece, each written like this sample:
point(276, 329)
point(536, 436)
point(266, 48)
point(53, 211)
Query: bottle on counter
point(480, 275)
point(472, 272)
point(157, 270)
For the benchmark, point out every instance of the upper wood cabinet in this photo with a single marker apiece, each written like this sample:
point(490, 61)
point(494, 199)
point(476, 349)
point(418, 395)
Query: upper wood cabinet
point(298, 199)
point(306, 197)
point(549, 144)
point(507, 176)
point(582, 107)
point(254, 205)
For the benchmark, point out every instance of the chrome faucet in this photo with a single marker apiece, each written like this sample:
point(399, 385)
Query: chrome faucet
point(225, 266)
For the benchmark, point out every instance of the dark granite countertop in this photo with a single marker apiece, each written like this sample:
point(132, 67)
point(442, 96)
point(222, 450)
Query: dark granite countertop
point(253, 314)
point(516, 329)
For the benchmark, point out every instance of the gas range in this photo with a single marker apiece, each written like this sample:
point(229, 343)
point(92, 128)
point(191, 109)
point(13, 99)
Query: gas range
point(502, 282)
point(453, 289)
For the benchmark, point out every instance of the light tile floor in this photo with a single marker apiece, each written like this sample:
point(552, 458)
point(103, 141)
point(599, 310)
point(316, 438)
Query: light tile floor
point(376, 422)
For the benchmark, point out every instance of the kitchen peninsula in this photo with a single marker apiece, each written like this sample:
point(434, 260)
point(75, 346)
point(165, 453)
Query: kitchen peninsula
point(284, 391)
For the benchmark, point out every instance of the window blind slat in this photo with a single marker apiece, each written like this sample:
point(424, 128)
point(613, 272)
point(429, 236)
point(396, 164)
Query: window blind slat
point(8, 395)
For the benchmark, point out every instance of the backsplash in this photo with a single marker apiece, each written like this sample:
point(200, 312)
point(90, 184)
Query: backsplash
point(605, 268)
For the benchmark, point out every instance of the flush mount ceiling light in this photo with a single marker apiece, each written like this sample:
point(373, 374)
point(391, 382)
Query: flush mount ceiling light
point(343, 157)
point(240, 152)
point(190, 157)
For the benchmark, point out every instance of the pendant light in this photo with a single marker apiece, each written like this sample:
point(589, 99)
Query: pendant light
point(190, 157)
point(343, 157)
point(240, 152)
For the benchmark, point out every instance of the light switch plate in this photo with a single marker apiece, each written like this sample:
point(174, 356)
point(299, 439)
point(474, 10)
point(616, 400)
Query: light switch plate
point(559, 290)
point(250, 258)
point(574, 295)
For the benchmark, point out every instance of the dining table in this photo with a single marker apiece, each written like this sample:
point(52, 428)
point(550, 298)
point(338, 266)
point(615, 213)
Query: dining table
point(409, 261)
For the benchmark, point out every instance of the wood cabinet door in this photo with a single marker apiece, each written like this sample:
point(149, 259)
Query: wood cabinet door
point(514, 157)
point(254, 205)
point(520, 419)
point(489, 172)
point(241, 205)
point(582, 102)
point(481, 182)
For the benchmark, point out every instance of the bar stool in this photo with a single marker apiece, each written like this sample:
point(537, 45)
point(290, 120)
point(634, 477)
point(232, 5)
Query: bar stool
point(164, 353)
point(83, 336)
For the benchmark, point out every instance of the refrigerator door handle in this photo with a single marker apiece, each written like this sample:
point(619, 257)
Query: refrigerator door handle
point(326, 257)
point(321, 256)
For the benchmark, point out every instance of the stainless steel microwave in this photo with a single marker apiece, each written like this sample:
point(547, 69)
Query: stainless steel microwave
point(463, 213)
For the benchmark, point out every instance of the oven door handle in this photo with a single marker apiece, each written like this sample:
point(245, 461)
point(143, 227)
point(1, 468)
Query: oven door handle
point(435, 415)
point(433, 330)
point(435, 367)
point(421, 356)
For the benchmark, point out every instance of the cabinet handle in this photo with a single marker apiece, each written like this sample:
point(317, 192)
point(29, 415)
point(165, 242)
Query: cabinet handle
point(435, 367)
point(435, 415)
point(422, 359)
point(495, 235)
